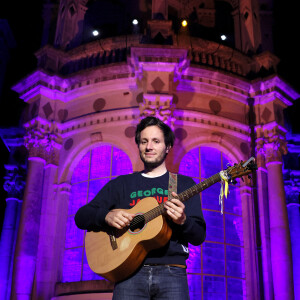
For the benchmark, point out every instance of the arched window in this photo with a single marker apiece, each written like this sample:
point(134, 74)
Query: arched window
point(216, 268)
point(95, 169)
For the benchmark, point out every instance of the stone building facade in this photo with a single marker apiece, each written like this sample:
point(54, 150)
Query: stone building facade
point(224, 102)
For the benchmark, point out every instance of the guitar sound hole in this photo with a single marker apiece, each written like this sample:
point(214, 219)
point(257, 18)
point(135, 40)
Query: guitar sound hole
point(137, 223)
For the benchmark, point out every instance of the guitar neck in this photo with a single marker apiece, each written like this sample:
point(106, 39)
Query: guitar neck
point(187, 194)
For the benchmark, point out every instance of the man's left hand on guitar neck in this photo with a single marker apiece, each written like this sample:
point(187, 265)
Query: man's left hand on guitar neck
point(175, 210)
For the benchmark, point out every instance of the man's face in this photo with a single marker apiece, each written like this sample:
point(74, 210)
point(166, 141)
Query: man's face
point(152, 147)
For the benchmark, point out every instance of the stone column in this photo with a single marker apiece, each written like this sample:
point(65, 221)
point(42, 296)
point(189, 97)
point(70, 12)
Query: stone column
point(63, 195)
point(14, 186)
point(44, 277)
point(249, 243)
point(281, 252)
point(293, 207)
point(46, 258)
point(264, 225)
point(28, 234)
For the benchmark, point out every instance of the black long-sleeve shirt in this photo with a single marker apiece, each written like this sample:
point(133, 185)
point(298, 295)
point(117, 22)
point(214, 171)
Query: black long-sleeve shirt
point(127, 190)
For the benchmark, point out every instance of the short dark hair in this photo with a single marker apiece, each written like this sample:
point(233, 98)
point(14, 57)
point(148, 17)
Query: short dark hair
point(152, 121)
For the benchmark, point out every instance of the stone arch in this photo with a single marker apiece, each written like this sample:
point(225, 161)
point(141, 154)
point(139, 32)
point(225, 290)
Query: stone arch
point(84, 146)
point(227, 147)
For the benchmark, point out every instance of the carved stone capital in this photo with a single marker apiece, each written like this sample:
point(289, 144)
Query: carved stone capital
point(270, 146)
point(159, 106)
point(14, 181)
point(44, 144)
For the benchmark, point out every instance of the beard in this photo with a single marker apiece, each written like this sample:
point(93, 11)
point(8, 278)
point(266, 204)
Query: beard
point(155, 163)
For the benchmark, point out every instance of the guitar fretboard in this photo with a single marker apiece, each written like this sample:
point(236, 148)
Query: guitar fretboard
point(185, 195)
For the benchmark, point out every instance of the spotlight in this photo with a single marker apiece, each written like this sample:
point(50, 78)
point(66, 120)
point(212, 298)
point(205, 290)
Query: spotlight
point(95, 32)
point(223, 37)
point(184, 23)
point(135, 22)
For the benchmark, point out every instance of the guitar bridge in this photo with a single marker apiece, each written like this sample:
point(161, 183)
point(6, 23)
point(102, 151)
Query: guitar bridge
point(113, 240)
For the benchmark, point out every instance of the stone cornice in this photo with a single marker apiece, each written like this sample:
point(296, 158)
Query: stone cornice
point(271, 88)
point(131, 115)
point(63, 89)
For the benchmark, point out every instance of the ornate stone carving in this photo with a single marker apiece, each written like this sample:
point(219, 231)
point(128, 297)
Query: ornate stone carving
point(292, 187)
point(14, 181)
point(43, 143)
point(158, 105)
point(270, 145)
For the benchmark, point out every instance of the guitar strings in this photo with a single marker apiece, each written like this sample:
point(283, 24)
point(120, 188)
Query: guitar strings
point(155, 212)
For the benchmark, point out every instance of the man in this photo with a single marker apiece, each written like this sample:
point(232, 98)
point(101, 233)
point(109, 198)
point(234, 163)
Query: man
point(163, 272)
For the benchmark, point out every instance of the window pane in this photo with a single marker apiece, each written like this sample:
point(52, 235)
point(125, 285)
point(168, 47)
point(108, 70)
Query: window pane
point(95, 186)
point(214, 226)
point(194, 282)
point(121, 163)
point(74, 235)
point(100, 164)
point(214, 288)
point(235, 261)
point(234, 230)
point(210, 197)
point(81, 172)
point(194, 261)
point(210, 161)
point(78, 197)
point(226, 162)
point(213, 259)
point(235, 288)
point(72, 265)
point(233, 202)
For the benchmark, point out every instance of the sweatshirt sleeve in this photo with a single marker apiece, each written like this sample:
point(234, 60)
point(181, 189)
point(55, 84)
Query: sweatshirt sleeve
point(194, 228)
point(92, 215)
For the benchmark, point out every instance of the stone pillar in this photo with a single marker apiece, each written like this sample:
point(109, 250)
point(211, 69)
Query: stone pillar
point(28, 234)
point(281, 252)
point(264, 224)
point(45, 272)
point(7, 245)
point(14, 185)
point(293, 207)
point(63, 195)
point(249, 243)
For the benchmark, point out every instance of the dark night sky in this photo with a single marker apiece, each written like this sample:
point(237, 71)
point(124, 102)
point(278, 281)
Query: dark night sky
point(26, 23)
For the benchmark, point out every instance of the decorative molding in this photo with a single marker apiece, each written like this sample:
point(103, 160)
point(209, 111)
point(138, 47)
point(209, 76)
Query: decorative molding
point(271, 144)
point(43, 141)
point(160, 106)
point(14, 181)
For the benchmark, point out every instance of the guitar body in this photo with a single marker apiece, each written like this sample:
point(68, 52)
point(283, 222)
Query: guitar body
point(117, 254)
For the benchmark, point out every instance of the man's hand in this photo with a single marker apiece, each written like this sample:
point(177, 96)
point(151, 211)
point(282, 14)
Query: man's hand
point(175, 209)
point(118, 218)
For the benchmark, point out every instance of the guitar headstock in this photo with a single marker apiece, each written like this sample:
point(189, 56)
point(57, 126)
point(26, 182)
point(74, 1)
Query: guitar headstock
point(241, 169)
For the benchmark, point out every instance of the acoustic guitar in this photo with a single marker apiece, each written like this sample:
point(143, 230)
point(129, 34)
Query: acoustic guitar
point(115, 254)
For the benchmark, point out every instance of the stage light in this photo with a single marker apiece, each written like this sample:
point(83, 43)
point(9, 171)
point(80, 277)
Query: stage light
point(135, 22)
point(184, 23)
point(95, 32)
point(223, 37)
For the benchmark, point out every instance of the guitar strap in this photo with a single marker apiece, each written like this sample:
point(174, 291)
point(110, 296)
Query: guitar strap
point(172, 185)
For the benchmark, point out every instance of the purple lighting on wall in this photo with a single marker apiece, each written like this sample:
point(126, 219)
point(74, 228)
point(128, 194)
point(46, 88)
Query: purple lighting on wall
point(217, 265)
point(93, 171)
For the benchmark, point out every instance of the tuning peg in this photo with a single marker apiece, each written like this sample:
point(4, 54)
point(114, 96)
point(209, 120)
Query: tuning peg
point(242, 179)
point(249, 176)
